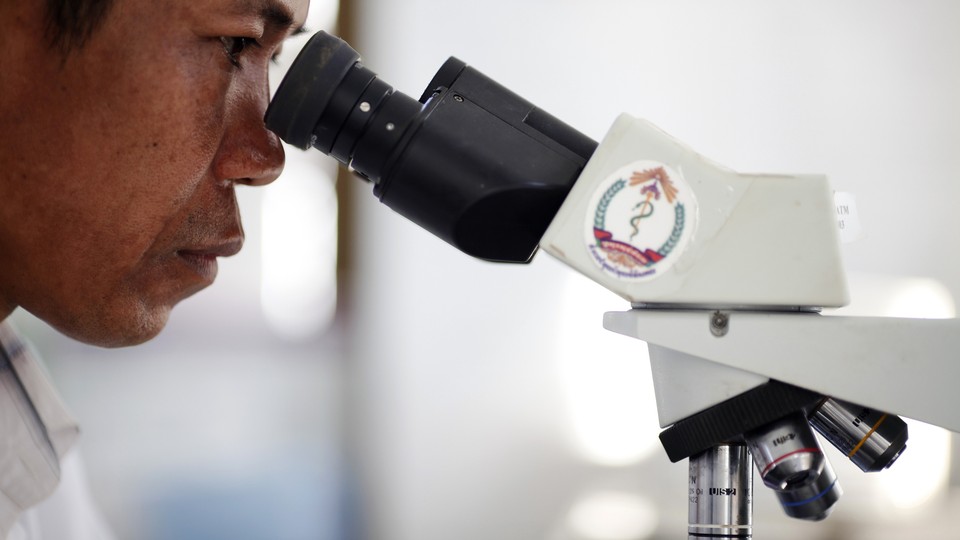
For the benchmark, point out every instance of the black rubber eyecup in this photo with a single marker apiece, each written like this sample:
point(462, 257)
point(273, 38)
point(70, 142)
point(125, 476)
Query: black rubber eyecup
point(307, 88)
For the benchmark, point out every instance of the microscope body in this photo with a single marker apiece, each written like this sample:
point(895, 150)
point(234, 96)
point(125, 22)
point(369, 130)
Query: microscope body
point(740, 298)
point(728, 274)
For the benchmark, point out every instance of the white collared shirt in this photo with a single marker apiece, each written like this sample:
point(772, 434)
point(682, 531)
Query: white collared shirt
point(43, 493)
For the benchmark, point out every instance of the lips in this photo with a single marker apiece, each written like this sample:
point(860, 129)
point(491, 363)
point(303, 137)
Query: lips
point(224, 248)
point(203, 259)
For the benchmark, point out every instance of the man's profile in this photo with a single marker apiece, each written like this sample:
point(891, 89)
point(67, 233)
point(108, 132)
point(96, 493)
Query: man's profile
point(125, 127)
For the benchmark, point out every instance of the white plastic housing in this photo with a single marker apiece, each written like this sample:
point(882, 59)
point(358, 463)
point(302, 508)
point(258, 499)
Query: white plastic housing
point(900, 366)
point(740, 240)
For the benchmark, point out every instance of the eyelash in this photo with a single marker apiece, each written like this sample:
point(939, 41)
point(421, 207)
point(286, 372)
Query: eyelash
point(234, 46)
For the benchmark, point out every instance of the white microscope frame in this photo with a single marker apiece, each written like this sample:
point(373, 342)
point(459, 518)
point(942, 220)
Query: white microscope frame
point(737, 300)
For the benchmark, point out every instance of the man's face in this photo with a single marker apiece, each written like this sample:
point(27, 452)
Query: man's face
point(118, 162)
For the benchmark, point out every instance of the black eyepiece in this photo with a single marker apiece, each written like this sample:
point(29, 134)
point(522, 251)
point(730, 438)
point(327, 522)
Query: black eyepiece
point(471, 161)
point(307, 88)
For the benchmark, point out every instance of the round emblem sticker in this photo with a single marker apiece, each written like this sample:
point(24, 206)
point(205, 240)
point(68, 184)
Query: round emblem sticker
point(639, 220)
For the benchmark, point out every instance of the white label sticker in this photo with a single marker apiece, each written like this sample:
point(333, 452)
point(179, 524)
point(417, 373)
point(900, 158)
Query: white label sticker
point(847, 219)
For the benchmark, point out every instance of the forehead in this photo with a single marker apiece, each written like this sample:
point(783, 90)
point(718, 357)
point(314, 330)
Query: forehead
point(294, 11)
point(277, 13)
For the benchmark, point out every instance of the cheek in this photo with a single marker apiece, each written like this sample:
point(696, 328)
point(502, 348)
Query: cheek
point(128, 175)
point(165, 149)
point(181, 123)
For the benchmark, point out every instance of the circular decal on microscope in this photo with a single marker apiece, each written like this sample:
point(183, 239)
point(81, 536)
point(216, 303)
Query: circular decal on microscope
point(639, 221)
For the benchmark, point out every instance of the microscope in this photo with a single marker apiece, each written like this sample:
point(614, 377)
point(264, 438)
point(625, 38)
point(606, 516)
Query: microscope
point(728, 275)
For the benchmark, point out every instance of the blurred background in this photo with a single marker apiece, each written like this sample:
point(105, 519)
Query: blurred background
point(351, 377)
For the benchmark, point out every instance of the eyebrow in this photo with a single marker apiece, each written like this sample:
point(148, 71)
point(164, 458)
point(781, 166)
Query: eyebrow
point(274, 13)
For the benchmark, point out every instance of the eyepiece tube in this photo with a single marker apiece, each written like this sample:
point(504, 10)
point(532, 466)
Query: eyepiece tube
point(472, 162)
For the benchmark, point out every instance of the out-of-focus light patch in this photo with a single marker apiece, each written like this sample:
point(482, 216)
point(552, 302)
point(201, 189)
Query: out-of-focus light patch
point(605, 378)
point(875, 295)
point(911, 482)
point(922, 473)
point(922, 299)
point(298, 290)
point(612, 516)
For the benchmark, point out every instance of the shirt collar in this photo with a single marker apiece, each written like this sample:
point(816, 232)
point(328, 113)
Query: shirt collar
point(36, 429)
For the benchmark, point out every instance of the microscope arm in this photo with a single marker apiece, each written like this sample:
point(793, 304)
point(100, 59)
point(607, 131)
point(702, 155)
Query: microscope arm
point(902, 366)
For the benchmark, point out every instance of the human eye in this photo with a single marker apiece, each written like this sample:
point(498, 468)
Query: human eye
point(234, 47)
point(275, 58)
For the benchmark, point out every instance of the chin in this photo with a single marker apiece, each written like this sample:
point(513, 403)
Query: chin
point(115, 330)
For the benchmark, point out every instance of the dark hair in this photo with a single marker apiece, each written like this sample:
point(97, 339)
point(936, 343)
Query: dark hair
point(70, 23)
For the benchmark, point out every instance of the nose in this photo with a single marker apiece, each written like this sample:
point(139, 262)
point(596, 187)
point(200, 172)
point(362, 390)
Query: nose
point(249, 153)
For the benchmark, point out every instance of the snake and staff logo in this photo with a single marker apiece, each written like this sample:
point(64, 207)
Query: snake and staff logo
point(639, 220)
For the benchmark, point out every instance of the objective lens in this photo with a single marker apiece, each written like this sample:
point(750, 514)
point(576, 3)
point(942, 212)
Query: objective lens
point(786, 452)
point(873, 440)
point(791, 462)
point(812, 500)
point(721, 493)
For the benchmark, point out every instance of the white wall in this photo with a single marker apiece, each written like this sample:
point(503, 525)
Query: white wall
point(462, 421)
